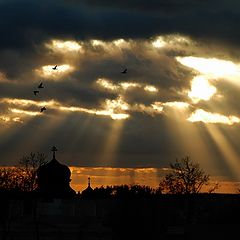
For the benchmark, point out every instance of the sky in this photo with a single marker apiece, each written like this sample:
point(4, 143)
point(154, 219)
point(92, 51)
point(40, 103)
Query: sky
point(180, 95)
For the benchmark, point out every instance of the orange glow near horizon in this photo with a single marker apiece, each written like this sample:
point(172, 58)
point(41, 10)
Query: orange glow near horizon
point(108, 176)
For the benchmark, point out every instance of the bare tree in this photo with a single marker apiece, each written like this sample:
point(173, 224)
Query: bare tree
point(28, 166)
point(23, 176)
point(10, 178)
point(186, 177)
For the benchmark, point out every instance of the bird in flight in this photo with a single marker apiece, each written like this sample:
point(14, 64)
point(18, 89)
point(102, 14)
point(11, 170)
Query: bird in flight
point(35, 92)
point(55, 67)
point(43, 109)
point(124, 71)
point(40, 85)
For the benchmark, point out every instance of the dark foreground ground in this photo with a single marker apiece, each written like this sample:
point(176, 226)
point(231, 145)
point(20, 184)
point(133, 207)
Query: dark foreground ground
point(215, 216)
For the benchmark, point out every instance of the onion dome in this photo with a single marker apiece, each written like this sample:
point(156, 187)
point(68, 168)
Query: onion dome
point(53, 178)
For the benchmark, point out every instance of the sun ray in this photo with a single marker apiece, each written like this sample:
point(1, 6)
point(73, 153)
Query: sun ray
point(187, 139)
point(228, 152)
point(78, 130)
point(110, 146)
point(30, 137)
point(42, 133)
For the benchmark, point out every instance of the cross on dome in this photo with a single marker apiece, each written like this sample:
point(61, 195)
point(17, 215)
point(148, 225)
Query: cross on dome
point(53, 149)
point(89, 181)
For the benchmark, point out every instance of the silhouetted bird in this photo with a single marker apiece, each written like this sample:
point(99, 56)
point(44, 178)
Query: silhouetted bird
point(124, 71)
point(55, 67)
point(35, 92)
point(43, 109)
point(40, 85)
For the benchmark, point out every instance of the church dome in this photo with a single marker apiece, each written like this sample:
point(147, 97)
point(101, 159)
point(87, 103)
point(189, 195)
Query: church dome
point(53, 178)
point(54, 171)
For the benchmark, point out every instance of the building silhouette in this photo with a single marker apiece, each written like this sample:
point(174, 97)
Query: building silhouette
point(54, 179)
point(88, 192)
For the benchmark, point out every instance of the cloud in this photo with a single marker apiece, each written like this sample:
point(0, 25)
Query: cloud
point(48, 72)
point(201, 89)
point(202, 116)
point(63, 46)
point(117, 108)
point(212, 67)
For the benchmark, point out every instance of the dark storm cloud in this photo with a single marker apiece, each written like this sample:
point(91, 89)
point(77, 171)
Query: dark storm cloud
point(73, 94)
point(19, 64)
point(200, 19)
point(65, 93)
point(25, 23)
point(152, 5)
point(160, 71)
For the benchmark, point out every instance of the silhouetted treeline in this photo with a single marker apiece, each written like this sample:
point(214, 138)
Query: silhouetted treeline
point(122, 191)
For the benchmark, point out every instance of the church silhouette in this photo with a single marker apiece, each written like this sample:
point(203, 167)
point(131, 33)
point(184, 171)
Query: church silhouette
point(53, 179)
